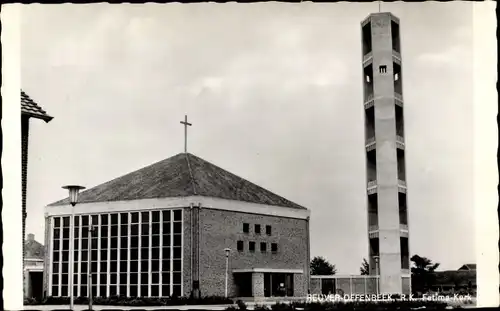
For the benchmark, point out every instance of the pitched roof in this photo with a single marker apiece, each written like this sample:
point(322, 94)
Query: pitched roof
point(34, 249)
point(181, 175)
point(31, 109)
point(469, 266)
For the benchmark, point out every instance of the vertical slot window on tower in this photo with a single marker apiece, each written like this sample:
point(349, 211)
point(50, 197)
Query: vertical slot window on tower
point(370, 124)
point(372, 212)
point(367, 39)
point(371, 159)
point(403, 210)
point(400, 129)
point(401, 165)
point(395, 37)
point(368, 83)
point(405, 259)
point(374, 256)
point(398, 86)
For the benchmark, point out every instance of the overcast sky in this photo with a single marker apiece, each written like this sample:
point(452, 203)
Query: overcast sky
point(274, 92)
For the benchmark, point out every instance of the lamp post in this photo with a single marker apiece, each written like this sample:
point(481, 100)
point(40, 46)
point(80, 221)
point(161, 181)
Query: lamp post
point(89, 265)
point(376, 272)
point(73, 199)
point(227, 251)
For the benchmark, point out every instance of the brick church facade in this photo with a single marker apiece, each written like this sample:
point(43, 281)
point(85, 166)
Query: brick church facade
point(162, 231)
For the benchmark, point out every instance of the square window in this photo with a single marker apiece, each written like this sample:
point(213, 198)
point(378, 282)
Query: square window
point(155, 240)
point(134, 229)
point(57, 244)
point(263, 247)
point(134, 242)
point(144, 265)
point(177, 278)
point(144, 241)
point(166, 252)
point(177, 227)
point(64, 279)
point(104, 254)
point(57, 233)
point(178, 215)
point(166, 216)
point(85, 243)
point(134, 217)
point(134, 278)
point(155, 216)
point(165, 278)
point(65, 256)
point(104, 231)
point(240, 246)
point(274, 247)
point(257, 229)
point(57, 222)
point(176, 291)
point(165, 291)
point(177, 239)
point(133, 290)
point(246, 228)
point(251, 246)
point(155, 265)
point(155, 228)
point(85, 220)
point(123, 230)
point(145, 217)
point(155, 278)
point(144, 278)
point(94, 219)
point(123, 290)
point(55, 290)
point(177, 265)
point(167, 240)
point(84, 279)
point(114, 230)
point(123, 278)
point(113, 254)
point(112, 291)
point(144, 253)
point(124, 218)
point(114, 242)
point(134, 254)
point(55, 279)
point(102, 290)
point(155, 253)
point(123, 254)
point(84, 267)
point(113, 266)
point(167, 228)
point(134, 266)
point(65, 221)
point(144, 291)
point(123, 242)
point(155, 290)
point(177, 252)
point(165, 264)
point(83, 291)
point(382, 69)
point(103, 279)
point(64, 290)
point(104, 266)
point(64, 267)
point(104, 242)
point(268, 230)
point(123, 266)
point(104, 219)
point(114, 219)
point(145, 229)
point(55, 268)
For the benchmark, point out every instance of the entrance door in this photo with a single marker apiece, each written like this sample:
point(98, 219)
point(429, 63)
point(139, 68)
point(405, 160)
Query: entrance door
point(36, 284)
point(243, 283)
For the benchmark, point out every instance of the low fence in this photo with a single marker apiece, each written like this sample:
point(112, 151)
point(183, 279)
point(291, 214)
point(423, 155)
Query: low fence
point(349, 285)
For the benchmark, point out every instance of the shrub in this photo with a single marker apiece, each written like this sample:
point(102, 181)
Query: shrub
point(241, 305)
point(261, 308)
point(134, 301)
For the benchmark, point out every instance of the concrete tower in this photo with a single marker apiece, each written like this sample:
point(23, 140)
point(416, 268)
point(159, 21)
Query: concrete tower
point(385, 153)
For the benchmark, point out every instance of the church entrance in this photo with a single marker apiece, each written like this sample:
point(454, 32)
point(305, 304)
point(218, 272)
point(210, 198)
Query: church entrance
point(243, 282)
point(278, 284)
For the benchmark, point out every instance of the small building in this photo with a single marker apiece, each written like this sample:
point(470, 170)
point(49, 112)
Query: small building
point(455, 280)
point(344, 284)
point(34, 255)
point(162, 231)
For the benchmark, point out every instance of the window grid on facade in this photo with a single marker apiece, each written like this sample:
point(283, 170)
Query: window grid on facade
point(122, 244)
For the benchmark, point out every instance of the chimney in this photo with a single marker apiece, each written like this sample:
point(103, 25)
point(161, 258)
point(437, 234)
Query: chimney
point(31, 237)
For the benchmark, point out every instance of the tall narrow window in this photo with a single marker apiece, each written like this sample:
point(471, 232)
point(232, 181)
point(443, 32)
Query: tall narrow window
point(239, 245)
point(263, 247)
point(246, 228)
point(257, 229)
point(251, 246)
point(268, 230)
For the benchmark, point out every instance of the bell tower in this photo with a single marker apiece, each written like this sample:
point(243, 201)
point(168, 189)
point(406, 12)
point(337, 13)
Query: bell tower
point(385, 153)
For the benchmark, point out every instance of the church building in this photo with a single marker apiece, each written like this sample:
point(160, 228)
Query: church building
point(178, 228)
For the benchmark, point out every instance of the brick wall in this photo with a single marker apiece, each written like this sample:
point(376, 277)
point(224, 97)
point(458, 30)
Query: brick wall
point(220, 229)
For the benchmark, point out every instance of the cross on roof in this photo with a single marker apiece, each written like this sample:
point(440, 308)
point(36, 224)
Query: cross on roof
point(186, 124)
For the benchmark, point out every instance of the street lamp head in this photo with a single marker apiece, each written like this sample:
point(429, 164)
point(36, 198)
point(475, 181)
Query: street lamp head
point(73, 193)
point(227, 251)
point(376, 258)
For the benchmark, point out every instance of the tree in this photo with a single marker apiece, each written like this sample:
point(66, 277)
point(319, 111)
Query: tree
point(365, 267)
point(423, 276)
point(320, 266)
